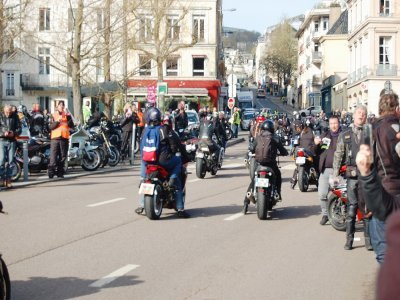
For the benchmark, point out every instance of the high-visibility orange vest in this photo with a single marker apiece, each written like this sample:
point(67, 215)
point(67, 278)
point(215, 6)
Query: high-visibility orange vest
point(141, 119)
point(63, 129)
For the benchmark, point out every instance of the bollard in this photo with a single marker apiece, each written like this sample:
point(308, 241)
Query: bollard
point(26, 159)
point(133, 142)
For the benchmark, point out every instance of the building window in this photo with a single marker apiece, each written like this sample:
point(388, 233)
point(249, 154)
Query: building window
point(10, 90)
point(173, 28)
point(384, 50)
point(316, 26)
point(384, 8)
point(316, 47)
point(44, 19)
point(172, 66)
point(144, 65)
point(100, 19)
point(145, 30)
point(44, 102)
point(198, 66)
point(198, 28)
point(325, 24)
point(44, 61)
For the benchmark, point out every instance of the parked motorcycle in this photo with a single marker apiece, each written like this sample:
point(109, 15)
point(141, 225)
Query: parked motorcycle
point(5, 283)
point(82, 153)
point(228, 131)
point(264, 192)
point(337, 204)
point(306, 173)
point(208, 158)
point(158, 194)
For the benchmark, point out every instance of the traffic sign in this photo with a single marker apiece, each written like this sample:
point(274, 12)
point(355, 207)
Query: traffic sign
point(232, 80)
point(231, 103)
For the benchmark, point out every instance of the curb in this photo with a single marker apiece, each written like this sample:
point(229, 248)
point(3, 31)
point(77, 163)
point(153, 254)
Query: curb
point(234, 142)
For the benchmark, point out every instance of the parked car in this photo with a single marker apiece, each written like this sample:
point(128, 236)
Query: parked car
point(246, 119)
point(312, 110)
point(193, 118)
point(261, 93)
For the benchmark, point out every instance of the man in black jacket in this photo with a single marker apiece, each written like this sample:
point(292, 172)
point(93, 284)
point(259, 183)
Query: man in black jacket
point(181, 119)
point(10, 128)
point(325, 148)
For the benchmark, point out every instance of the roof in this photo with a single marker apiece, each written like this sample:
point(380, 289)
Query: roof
point(341, 25)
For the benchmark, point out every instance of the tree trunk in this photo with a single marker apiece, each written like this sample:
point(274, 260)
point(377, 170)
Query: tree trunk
point(107, 97)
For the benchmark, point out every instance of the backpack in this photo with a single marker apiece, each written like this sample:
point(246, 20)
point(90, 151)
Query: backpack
point(150, 144)
point(263, 151)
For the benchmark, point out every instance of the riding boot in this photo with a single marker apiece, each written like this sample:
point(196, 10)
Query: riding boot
point(367, 237)
point(349, 235)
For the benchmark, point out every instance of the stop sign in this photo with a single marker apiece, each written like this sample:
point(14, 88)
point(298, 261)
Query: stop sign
point(231, 103)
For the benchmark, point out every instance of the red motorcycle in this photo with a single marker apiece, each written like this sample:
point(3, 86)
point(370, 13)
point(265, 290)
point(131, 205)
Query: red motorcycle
point(337, 204)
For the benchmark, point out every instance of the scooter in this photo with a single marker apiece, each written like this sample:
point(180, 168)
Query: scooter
point(5, 283)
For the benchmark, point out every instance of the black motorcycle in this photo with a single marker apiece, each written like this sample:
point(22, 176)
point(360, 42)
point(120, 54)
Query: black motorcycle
point(209, 158)
point(305, 171)
point(5, 283)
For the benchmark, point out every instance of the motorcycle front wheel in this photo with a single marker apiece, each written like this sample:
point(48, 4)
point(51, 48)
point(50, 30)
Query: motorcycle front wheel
point(16, 171)
point(113, 156)
point(336, 213)
point(5, 285)
point(303, 179)
point(229, 133)
point(153, 204)
point(200, 168)
point(91, 161)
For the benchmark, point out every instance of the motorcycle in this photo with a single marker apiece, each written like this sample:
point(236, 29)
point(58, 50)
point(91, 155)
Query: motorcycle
point(190, 140)
point(264, 193)
point(306, 173)
point(100, 137)
point(208, 158)
point(228, 131)
point(5, 283)
point(158, 194)
point(38, 153)
point(82, 153)
point(337, 204)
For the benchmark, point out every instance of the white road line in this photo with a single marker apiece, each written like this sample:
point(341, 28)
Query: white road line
point(113, 276)
point(105, 202)
point(193, 180)
point(289, 167)
point(232, 166)
point(234, 217)
point(357, 239)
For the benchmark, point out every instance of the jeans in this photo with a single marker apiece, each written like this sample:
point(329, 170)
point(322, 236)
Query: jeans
point(323, 189)
point(378, 240)
point(7, 151)
point(235, 130)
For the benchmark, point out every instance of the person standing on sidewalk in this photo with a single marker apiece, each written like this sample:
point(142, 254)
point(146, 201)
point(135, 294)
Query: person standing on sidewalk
point(235, 122)
point(60, 127)
point(326, 146)
point(10, 128)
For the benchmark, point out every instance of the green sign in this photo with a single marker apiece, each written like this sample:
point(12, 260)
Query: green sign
point(162, 88)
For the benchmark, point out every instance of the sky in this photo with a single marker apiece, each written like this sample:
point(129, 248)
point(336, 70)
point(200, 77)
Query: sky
point(259, 14)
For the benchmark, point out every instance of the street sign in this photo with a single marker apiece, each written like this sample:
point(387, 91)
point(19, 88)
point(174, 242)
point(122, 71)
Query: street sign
point(231, 103)
point(232, 80)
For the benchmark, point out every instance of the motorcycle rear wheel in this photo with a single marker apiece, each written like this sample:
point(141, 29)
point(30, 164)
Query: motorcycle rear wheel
point(302, 179)
point(153, 204)
point(92, 161)
point(200, 168)
point(5, 284)
point(262, 205)
point(335, 214)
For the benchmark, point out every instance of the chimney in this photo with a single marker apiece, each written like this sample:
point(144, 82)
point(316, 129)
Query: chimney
point(334, 13)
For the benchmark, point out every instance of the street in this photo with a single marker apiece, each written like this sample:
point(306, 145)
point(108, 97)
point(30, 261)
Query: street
point(80, 239)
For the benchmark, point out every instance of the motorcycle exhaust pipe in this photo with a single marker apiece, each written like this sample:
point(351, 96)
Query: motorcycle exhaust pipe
point(248, 195)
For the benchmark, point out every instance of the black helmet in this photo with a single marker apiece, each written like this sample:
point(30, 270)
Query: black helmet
point(153, 116)
point(268, 125)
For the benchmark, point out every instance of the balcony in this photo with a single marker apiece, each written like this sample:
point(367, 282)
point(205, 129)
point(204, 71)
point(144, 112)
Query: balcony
point(316, 80)
point(32, 81)
point(10, 92)
point(317, 57)
point(386, 70)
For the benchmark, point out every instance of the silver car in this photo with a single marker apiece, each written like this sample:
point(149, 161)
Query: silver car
point(246, 119)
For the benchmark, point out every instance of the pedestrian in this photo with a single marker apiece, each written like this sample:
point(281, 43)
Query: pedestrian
point(130, 117)
point(10, 128)
point(235, 122)
point(60, 127)
point(325, 148)
point(181, 119)
point(348, 145)
point(87, 112)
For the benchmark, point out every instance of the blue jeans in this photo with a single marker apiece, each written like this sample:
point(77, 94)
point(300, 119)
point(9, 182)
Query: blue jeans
point(7, 151)
point(174, 168)
point(235, 130)
point(378, 239)
point(323, 189)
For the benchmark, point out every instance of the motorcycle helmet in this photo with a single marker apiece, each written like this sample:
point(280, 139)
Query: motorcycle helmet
point(153, 116)
point(268, 125)
point(260, 119)
point(167, 121)
point(22, 109)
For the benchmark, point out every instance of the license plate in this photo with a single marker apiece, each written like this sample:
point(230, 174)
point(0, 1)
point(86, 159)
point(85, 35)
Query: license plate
point(200, 154)
point(262, 182)
point(146, 189)
point(300, 160)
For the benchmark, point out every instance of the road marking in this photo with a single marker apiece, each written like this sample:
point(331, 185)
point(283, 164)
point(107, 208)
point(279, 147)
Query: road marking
point(232, 166)
point(289, 167)
point(113, 276)
point(357, 239)
point(234, 217)
point(193, 180)
point(105, 202)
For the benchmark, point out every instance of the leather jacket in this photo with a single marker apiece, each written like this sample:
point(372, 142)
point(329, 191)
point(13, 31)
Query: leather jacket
point(11, 123)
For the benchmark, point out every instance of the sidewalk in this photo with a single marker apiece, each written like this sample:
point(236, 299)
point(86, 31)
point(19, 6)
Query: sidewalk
point(39, 178)
point(286, 108)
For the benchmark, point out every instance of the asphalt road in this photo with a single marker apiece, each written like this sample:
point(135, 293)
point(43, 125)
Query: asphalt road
point(80, 239)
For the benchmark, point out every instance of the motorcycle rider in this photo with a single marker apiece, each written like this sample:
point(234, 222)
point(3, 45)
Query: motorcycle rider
point(37, 121)
point(10, 128)
point(181, 119)
point(220, 125)
point(166, 159)
point(60, 126)
point(348, 145)
point(325, 148)
point(267, 133)
point(206, 131)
